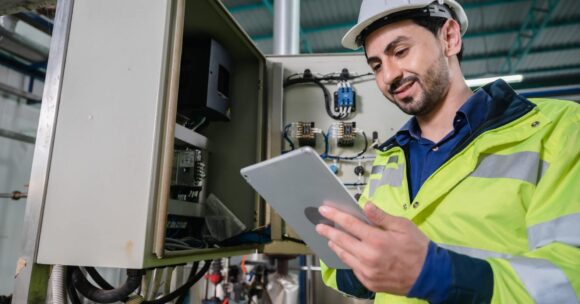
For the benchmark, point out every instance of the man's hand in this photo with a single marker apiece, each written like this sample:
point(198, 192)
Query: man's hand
point(386, 258)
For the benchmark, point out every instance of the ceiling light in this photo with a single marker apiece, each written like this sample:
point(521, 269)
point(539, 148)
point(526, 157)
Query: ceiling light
point(478, 82)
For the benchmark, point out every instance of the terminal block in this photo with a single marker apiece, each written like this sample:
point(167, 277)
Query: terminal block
point(345, 133)
point(305, 133)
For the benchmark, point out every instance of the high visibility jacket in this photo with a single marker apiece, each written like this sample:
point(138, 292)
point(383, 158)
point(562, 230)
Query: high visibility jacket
point(509, 194)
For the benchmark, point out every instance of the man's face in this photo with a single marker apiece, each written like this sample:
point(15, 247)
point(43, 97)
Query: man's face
point(409, 65)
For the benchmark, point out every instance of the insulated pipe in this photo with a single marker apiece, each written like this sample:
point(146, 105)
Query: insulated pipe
point(17, 136)
point(19, 93)
point(56, 283)
point(286, 27)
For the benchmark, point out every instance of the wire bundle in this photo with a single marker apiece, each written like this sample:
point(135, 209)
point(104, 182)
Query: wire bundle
point(308, 78)
point(76, 281)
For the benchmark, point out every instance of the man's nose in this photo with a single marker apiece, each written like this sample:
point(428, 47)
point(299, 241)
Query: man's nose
point(391, 72)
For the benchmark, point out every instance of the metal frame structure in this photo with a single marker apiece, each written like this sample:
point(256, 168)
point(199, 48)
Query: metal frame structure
point(538, 16)
point(32, 279)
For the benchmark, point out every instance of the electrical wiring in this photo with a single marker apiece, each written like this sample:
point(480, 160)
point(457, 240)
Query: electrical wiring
point(317, 82)
point(173, 247)
point(308, 78)
point(96, 276)
point(363, 158)
point(184, 288)
point(323, 156)
point(171, 240)
point(70, 289)
point(98, 295)
point(108, 294)
point(187, 243)
point(366, 141)
point(199, 124)
point(287, 138)
point(192, 273)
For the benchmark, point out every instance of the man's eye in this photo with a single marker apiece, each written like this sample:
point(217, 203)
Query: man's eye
point(401, 53)
point(376, 67)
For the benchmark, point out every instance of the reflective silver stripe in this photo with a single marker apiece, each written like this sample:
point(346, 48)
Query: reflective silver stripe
point(475, 253)
point(377, 169)
point(565, 229)
point(391, 176)
point(373, 184)
point(545, 282)
point(526, 166)
point(393, 159)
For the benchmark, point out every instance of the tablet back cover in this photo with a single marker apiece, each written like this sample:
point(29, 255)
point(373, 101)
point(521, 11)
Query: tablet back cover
point(295, 185)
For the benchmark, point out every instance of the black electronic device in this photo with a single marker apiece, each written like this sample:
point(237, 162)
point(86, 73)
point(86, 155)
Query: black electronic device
point(205, 80)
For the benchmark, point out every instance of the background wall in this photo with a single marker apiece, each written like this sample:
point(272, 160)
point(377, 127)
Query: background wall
point(15, 166)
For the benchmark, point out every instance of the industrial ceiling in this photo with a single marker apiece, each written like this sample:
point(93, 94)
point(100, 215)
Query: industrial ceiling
point(537, 38)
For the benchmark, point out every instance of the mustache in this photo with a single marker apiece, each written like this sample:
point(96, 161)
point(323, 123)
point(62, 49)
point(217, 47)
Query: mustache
point(397, 83)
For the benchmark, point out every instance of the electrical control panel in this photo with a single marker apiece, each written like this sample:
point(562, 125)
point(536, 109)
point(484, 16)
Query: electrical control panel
point(143, 153)
point(141, 163)
point(358, 119)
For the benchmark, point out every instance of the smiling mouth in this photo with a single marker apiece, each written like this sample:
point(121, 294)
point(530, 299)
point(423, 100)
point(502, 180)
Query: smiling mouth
point(402, 88)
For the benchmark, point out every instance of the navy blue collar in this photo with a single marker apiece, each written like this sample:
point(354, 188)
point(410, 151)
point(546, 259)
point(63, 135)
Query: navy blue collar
point(506, 106)
point(471, 115)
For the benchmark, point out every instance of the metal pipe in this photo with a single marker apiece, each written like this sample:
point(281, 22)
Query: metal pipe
point(15, 195)
point(19, 93)
point(286, 27)
point(17, 136)
point(21, 46)
point(310, 282)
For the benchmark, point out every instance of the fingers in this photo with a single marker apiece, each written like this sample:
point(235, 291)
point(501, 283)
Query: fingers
point(345, 256)
point(353, 225)
point(340, 239)
point(380, 218)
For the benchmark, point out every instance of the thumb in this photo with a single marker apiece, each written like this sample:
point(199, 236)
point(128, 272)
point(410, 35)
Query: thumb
point(379, 217)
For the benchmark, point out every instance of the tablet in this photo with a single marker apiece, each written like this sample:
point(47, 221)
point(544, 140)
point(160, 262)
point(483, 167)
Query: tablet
point(295, 184)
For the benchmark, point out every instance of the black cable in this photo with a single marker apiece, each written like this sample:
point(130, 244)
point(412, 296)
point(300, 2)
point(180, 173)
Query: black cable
point(98, 295)
point(70, 289)
point(316, 81)
point(285, 134)
point(183, 289)
point(356, 156)
point(191, 275)
point(96, 276)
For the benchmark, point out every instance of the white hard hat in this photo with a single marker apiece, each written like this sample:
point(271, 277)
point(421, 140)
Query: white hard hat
point(374, 10)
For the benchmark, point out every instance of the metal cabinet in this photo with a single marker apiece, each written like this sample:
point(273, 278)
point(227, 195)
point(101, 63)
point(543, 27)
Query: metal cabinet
point(100, 186)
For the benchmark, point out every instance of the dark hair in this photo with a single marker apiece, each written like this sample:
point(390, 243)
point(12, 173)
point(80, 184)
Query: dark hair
point(434, 25)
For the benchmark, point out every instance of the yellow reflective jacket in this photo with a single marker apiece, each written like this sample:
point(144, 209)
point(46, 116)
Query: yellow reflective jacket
point(509, 195)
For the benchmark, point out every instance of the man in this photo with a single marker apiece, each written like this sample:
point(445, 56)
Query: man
point(476, 198)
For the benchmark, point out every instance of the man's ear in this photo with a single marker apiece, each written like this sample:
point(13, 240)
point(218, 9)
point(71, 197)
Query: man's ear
point(450, 35)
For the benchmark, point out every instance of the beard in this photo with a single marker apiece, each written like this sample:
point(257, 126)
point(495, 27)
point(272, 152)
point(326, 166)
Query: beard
point(434, 85)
